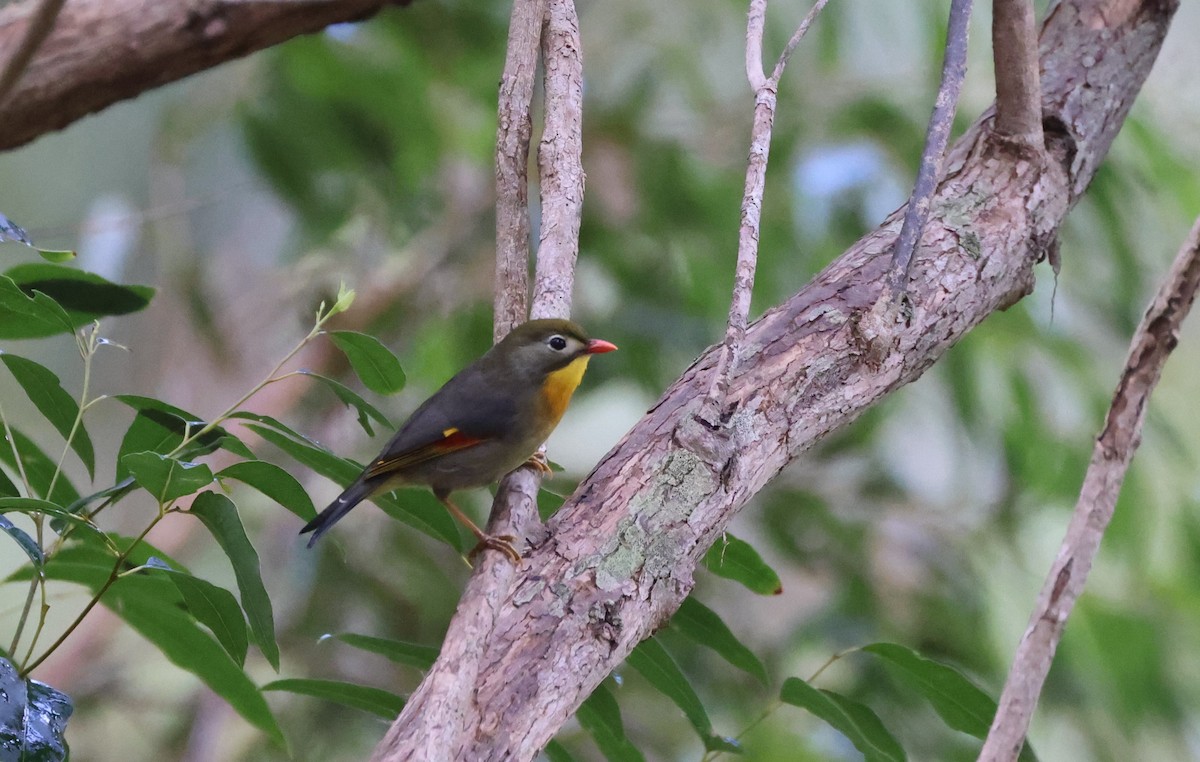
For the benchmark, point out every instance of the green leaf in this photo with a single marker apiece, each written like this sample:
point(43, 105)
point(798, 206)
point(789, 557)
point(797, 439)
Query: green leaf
point(166, 478)
point(412, 654)
point(704, 626)
point(958, 701)
point(419, 509)
point(164, 427)
point(734, 559)
point(217, 609)
point(366, 411)
point(854, 720)
point(32, 506)
point(275, 483)
point(7, 488)
point(57, 256)
point(556, 752)
point(374, 700)
point(85, 296)
point(600, 716)
point(22, 538)
point(653, 662)
point(220, 516)
point(39, 469)
point(33, 718)
point(374, 363)
point(27, 316)
point(52, 401)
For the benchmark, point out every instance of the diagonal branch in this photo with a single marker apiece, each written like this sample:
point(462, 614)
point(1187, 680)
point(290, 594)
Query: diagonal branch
point(39, 28)
point(1152, 343)
point(104, 51)
point(1018, 90)
point(954, 70)
point(620, 554)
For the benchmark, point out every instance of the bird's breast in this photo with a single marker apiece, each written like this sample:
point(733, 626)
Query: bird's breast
point(560, 385)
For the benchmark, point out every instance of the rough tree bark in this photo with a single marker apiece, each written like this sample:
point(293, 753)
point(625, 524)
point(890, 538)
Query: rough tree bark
point(619, 557)
point(104, 51)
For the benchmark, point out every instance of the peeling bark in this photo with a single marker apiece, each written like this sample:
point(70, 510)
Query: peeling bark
point(620, 554)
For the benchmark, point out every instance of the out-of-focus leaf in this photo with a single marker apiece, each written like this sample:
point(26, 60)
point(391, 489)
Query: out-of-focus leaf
point(374, 700)
point(220, 515)
point(653, 662)
point(854, 720)
point(366, 411)
point(85, 296)
point(166, 478)
point(28, 316)
point(22, 538)
point(957, 700)
point(7, 488)
point(556, 752)
point(422, 512)
point(33, 717)
point(32, 506)
point(374, 363)
point(412, 654)
point(215, 608)
point(39, 469)
point(735, 559)
point(11, 231)
point(275, 483)
point(57, 256)
point(600, 716)
point(52, 401)
point(703, 625)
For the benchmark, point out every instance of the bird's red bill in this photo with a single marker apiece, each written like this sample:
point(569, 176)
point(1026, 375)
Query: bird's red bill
point(599, 346)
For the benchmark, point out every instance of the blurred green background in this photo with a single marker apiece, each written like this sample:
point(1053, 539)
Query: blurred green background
point(365, 154)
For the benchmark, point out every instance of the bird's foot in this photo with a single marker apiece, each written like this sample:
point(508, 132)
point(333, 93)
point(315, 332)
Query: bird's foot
point(500, 542)
point(538, 463)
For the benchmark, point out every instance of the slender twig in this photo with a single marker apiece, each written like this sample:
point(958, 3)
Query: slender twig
point(39, 28)
point(1018, 86)
point(560, 162)
point(765, 96)
point(513, 132)
point(1114, 448)
point(954, 70)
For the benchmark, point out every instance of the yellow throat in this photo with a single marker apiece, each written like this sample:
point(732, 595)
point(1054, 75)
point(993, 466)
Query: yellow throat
point(560, 385)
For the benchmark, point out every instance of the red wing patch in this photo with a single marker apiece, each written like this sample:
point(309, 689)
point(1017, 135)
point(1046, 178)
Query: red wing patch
point(452, 440)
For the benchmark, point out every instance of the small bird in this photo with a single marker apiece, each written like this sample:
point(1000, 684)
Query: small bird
point(487, 420)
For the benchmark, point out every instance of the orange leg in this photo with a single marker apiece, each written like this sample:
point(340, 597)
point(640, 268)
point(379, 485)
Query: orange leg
point(502, 543)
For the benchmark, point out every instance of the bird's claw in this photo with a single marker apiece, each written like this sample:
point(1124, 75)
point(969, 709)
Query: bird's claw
point(501, 542)
point(538, 463)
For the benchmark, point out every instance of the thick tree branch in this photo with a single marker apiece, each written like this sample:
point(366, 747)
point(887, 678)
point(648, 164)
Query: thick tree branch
point(954, 70)
point(36, 32)
point(1018, 92)
point(104, 51)
point(620, 554)
point(1153, 341)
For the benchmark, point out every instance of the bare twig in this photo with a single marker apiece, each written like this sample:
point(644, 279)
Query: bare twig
point(560, 162)
point(765, 96)
point(39, 28)
point(513, 132)
point(954, 69)
point(1152, 343)
point(1018, 89)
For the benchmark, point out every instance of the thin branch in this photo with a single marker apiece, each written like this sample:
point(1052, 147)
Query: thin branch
point(755, 22)
point(513, 132)
point(39, 28)
point(1152, 343)
point(560, 162)
point(954, 70)
point(765, 97)
point(1018, 86)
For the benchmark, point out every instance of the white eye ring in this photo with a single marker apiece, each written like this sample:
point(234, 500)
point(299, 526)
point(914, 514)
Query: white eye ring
point(557, 343)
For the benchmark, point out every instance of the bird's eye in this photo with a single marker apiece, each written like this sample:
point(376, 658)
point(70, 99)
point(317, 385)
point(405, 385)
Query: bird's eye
point(557, 343)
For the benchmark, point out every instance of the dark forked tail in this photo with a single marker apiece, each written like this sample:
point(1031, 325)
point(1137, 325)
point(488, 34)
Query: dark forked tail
point(352, 496)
